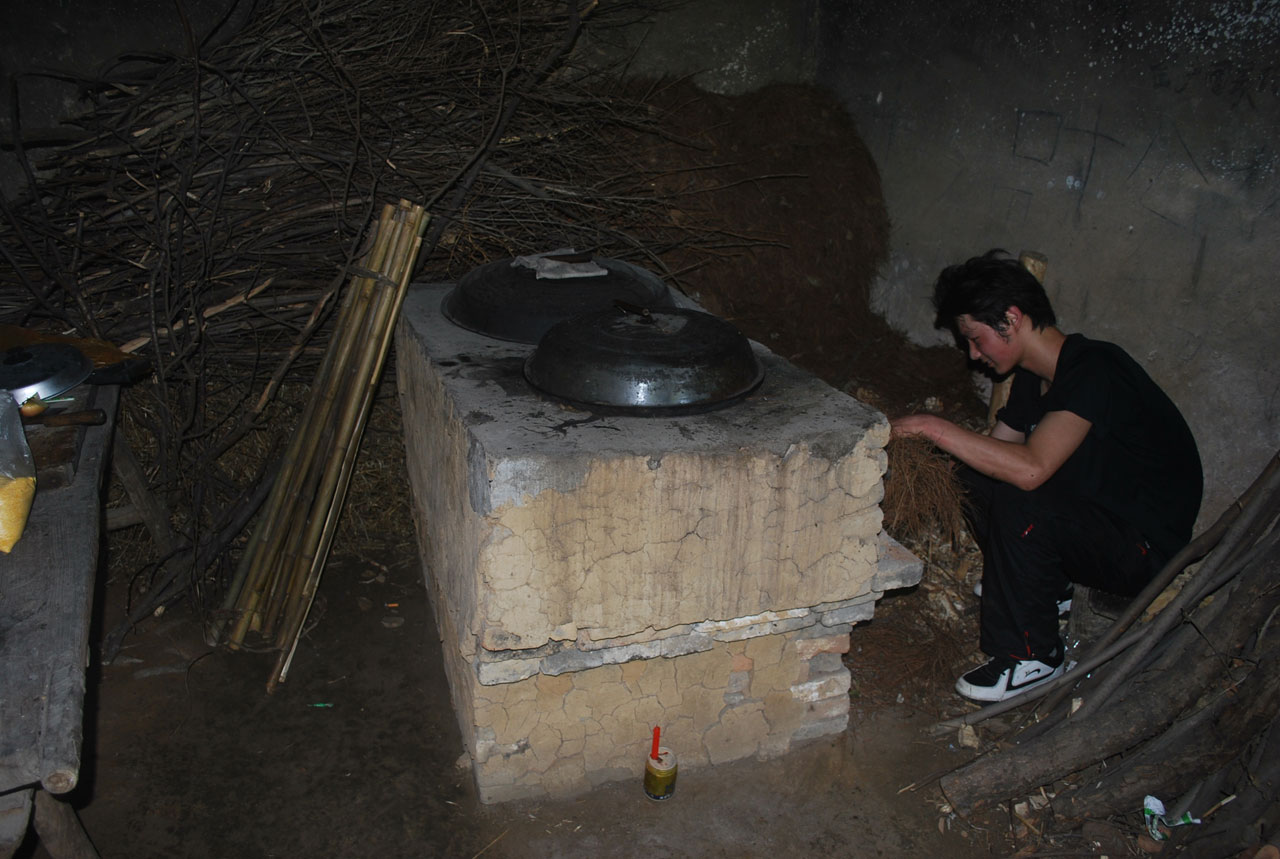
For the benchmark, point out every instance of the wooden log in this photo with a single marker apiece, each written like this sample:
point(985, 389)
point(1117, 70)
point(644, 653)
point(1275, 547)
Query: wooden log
point(1255, 799)
point(125, 516)
point(59, 829)
point(15, 813)
point(1190, 750)
point(152, 512)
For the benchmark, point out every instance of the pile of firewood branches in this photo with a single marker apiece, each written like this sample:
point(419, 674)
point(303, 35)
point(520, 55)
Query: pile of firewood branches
point(1179, 700)
point(208, 207)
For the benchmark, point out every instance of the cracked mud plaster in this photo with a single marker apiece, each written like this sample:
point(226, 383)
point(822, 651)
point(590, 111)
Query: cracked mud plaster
point(448, 534)
point(562, 735)
point(703, 537)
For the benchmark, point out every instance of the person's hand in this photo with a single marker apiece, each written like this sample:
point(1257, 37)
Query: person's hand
point(923, 425)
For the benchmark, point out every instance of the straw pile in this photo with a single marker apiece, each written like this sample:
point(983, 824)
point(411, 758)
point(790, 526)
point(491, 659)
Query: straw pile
point(922, 495)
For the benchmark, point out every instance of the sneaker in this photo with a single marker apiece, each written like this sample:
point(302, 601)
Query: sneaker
point(1064, 601)
point(1003, 678)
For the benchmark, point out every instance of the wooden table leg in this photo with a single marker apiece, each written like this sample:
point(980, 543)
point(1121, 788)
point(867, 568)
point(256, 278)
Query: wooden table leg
point(59, 829)
point(15, 811)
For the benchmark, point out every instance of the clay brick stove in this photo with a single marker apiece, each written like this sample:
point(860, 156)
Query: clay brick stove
point(595, 576)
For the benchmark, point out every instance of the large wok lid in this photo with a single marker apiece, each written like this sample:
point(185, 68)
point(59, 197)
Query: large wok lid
point(645, 362)
point(509, 301)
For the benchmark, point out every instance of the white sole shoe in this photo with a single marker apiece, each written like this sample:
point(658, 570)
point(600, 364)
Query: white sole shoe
point(1001, 679)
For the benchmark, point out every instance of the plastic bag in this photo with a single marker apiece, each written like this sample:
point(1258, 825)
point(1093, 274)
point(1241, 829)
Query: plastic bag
point(17, 474)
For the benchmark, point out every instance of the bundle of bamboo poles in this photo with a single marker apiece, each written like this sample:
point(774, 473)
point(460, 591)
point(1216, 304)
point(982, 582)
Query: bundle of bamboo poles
point(276, 580)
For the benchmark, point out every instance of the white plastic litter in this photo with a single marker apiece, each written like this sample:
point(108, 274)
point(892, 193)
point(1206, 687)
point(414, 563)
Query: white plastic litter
point(1154, 813)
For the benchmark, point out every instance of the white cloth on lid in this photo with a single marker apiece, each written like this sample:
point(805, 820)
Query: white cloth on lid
point(548, 267)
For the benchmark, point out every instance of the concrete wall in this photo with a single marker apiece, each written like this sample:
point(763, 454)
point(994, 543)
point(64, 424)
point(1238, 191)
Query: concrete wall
point(1135, 145)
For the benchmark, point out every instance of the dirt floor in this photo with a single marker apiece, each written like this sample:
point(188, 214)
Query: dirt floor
point(358, 753)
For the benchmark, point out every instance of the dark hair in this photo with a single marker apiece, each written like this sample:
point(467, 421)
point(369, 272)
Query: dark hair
point(985, 288)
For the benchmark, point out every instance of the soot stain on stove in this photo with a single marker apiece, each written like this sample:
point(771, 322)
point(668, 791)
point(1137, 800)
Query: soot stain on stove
point(572, 423)
point(507, 373)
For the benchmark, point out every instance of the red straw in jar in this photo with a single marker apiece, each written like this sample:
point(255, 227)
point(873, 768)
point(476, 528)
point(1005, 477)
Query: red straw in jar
point(656, 734)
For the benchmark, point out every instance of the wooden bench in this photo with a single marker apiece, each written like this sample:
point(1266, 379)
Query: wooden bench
point(46, 601)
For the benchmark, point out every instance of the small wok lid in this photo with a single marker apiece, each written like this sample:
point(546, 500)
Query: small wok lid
point(645, 362)
point(508, 301)
point(42, 370)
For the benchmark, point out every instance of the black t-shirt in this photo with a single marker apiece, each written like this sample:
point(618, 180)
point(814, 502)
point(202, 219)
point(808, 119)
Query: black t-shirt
point(1139, 460)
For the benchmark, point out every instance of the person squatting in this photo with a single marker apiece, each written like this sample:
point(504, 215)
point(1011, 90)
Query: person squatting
point(1090, 474)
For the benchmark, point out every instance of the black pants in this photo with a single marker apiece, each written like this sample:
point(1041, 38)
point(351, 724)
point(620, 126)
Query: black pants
point(1033, 543)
